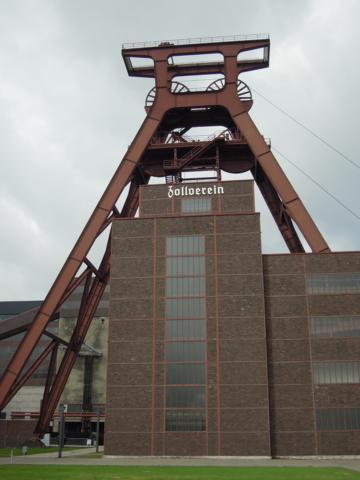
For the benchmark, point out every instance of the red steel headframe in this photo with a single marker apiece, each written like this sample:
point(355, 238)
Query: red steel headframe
point(283, 201)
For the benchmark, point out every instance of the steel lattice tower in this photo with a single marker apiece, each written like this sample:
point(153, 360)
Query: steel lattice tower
point(161, 148)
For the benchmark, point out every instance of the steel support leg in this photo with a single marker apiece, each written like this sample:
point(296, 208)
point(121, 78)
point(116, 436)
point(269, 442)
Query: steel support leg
point(87, 310)
point(76, 258)
point(281, 217)
point(21, 381)
point(290, 199)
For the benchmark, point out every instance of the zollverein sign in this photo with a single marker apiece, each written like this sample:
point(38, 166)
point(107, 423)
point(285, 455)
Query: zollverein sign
point(185, 191)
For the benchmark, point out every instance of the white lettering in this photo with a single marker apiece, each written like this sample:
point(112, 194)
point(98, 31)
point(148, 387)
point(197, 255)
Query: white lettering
point(185, 191)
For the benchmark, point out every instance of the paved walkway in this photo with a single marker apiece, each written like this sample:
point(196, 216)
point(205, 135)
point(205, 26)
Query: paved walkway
point(87, 457)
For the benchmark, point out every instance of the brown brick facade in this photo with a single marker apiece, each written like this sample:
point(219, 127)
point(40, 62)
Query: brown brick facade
point(260, 396)
point(15, 433)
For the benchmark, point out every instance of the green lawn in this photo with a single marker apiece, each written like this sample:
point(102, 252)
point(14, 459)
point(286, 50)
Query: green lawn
point(55, 472)
point(6, 452)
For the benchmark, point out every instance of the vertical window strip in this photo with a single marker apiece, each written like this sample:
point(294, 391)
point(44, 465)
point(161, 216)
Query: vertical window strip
point(185, 319)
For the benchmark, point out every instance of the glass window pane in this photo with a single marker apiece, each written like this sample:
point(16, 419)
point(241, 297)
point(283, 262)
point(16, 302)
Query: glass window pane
point(185, 287)
point(185, 311)
point(185, 397)
point(185, 245)
point(180, 266)
point(341, 326)
point(185, 307)
point(336, 372)
point(324, 283)
point(192, 205)
point(185, 420)
point(185, 352)
point(338, 418)
point(191, 374)
point(185, 329)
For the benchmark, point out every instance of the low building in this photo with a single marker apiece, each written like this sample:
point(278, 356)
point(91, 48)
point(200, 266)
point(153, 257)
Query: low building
point(29, 397)
point(84, 393)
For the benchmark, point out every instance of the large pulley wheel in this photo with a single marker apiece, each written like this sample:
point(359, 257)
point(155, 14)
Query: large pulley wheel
point(176, 87)
point(243, 91)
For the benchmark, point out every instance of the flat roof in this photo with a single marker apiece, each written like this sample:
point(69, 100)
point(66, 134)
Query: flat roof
point(18, 306)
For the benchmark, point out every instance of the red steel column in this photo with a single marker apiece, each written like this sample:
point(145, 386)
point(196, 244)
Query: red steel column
point(78, 254)
point(280, 182)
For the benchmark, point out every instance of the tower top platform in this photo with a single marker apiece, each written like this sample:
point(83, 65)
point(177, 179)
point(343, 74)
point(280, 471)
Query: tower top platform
point(200, 52)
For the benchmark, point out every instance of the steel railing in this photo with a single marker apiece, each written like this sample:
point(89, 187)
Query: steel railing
point(197, 40)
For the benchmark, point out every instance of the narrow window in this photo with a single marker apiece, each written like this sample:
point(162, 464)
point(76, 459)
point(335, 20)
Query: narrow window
point(185, 334)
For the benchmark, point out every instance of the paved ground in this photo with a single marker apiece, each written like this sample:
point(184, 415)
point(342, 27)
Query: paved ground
point(86, 457)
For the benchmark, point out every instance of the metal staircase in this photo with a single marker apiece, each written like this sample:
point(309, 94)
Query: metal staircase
point(177, 164)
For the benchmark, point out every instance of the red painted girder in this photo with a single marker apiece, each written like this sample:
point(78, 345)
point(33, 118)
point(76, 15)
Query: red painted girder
point(282, 219)
point(72, 351)
point(78, 254)
point(290, 199)
point(21, 382)
point(87, 309)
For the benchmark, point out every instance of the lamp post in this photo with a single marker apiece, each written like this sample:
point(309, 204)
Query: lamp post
point(61, 429)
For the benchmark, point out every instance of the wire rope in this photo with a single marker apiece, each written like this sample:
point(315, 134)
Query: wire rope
point(325, 142)
point(315, 182)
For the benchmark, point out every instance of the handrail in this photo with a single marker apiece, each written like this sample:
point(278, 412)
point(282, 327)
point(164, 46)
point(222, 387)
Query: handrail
point(196, 40)
point(227, 134)
point(204, 138)
point(195, 151)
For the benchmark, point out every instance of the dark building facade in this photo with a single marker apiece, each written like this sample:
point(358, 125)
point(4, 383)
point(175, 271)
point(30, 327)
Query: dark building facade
point(84, 393)
point(217, 349)
point(7, 311)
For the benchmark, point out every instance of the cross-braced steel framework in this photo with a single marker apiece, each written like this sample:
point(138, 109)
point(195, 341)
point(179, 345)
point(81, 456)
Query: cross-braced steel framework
point(162, 148)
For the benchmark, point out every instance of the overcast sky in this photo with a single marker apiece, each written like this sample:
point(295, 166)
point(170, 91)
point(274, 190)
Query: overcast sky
point(68, 112)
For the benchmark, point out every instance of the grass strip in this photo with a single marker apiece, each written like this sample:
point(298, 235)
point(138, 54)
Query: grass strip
point(78, 472)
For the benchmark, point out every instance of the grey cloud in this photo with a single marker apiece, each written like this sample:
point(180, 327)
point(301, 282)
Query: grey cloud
point(68, 112)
